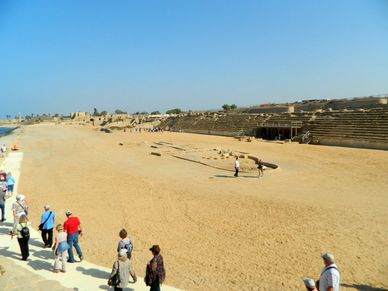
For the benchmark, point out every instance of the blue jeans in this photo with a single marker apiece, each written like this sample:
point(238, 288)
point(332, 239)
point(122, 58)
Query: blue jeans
point(72, 239)
point(2, 207)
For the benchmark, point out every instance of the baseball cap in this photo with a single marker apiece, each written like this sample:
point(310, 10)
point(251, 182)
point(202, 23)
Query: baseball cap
point(328, 256)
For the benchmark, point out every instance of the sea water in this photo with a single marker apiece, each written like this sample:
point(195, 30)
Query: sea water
point(6, 130)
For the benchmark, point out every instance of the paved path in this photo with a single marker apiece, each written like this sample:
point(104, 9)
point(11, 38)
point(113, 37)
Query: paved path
point(79, 276)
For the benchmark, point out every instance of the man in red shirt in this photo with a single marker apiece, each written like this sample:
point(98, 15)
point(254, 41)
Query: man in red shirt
point(73, 228)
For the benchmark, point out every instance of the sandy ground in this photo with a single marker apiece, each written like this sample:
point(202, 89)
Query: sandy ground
point(216, 232)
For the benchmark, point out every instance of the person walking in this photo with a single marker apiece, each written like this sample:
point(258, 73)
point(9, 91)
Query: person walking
point(260, 167)
point(22, 232)
point(119, 277)
point(73, 228)
point(330, 276)
point(46, 226)
point(126, 244)
point(3, 197)
point(19, 208)
point(155, 272)
point(60, 250)
point(10, 183)
point(236, 167)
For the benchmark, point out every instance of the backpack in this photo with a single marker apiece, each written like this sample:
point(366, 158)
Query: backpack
point(129, 248)
point(25, 231)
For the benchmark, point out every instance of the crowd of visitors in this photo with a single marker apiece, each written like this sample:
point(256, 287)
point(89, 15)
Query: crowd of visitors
point(67, 236)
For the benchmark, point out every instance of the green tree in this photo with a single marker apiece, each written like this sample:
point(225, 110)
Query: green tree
point(174, 111)
point(155, 112)
point(95, 112)
point(226, 107)
point(233, 106)
point(118, 111)
point(103, 113)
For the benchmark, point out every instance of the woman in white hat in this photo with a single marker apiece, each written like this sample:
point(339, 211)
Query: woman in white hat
point(121, 270)
point(19, 208)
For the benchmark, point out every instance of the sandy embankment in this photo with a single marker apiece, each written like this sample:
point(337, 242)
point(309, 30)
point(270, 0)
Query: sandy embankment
point(216, 232)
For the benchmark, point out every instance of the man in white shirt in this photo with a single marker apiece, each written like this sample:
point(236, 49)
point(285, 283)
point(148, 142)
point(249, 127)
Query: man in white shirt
point(330, 276)
point(236, 167)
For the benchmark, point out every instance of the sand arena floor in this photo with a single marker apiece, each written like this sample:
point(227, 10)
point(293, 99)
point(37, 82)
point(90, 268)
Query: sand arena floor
point(216, 232)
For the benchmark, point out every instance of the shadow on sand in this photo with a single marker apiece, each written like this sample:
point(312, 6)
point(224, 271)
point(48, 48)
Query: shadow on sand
point(363, 287)
point(233, 177)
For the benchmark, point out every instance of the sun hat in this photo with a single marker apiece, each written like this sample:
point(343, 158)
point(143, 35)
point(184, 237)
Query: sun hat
point(68, 212)
point(19, 197)
point(328, 256)
point(309, 283)
point(123, 253)
point(46, 206)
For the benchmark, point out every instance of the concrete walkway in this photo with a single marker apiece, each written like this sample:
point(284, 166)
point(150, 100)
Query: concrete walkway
point(79, 276)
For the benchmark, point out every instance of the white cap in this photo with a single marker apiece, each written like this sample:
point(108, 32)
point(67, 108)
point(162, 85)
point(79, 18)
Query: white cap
point(123, 253)
point(19, 197)
point(309, 283)
point(68, 212)
point(47, 206)
point(328, 256)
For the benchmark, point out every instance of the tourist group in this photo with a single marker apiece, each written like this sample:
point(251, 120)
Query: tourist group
point(67, 237)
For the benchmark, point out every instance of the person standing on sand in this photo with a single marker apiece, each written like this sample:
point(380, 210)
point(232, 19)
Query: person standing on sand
point(60, 250)
point(236, 167)
point(73, 228)
point(122, 267)
point(21, 230)
point(330, 276)
point(155, 272)
point(47, 224)
point(260, 167)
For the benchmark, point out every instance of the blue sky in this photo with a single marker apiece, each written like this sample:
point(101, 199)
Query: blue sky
point(63, 56)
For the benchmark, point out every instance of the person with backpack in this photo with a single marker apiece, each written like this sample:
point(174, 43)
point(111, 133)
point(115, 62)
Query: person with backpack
point(330, 276)
point(119, 277)
point(126, 244)
point(22, 232)
point(19, 208)
point(46, 226)
point(155, 272)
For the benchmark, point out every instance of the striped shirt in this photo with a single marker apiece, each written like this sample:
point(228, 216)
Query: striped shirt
point(330, 277)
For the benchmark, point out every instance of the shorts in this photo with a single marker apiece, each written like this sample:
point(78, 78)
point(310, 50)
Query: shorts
point(10, 188)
